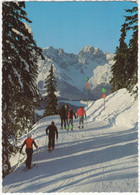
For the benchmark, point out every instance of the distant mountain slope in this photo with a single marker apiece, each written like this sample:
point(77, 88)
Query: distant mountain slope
point(71, 71)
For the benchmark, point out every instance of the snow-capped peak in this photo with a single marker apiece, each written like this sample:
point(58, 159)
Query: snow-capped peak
point(91, 50)
point(88, 49)
point(71, 70)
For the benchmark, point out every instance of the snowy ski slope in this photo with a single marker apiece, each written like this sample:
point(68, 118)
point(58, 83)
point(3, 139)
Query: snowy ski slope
point(102, 157)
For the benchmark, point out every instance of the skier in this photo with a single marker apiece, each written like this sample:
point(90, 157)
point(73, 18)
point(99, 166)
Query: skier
point(70, 118)
point(52, 131)
point(81, 113)
point(62, 114)
point(29, 149)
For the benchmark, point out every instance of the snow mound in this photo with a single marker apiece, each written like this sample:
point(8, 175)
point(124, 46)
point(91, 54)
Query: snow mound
point(120, 110)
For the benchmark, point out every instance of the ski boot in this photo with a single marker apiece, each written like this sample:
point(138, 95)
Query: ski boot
point(67, 127)
point(49, 149)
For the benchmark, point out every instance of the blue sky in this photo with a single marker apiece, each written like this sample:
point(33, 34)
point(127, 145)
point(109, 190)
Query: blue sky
point(74, 25)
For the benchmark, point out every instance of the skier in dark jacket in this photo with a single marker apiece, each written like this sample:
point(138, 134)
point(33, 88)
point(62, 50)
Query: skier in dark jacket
point(67, 110)
point(70, 119)
point(29, 149)
point(62, 114)
point(52, 131)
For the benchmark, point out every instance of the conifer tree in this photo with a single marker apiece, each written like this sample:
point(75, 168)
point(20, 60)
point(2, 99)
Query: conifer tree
point(51, 99)
point(118, 80)
point(19, 72)
point(132, 57)
point(125, 68)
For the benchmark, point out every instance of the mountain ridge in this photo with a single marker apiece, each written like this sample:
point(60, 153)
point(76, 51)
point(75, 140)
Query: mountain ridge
point(71, 71)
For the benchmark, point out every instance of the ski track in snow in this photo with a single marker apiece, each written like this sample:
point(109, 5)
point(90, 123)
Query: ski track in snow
point(98, 158)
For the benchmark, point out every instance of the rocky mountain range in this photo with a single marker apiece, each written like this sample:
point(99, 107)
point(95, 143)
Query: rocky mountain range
point(71, 71)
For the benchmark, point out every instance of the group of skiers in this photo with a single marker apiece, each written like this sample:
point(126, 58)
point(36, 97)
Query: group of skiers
point(51, 131)
point(66, 115)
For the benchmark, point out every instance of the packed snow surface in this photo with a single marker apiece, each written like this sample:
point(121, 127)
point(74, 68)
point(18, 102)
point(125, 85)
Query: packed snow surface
point(102, 157)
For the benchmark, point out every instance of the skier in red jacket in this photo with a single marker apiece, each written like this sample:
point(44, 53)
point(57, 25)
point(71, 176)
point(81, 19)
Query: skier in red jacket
point(29, 149)
point(81, 113)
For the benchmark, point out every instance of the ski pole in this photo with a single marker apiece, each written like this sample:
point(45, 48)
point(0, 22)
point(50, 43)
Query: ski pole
point(37, 156)
point(18, 158)
point(46, 141)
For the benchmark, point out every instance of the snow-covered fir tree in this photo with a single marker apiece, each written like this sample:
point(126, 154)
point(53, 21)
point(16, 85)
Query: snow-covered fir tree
point(118, 81)
point(19, 72)
point(132, 24)
point(51, 99)
point(125, 68)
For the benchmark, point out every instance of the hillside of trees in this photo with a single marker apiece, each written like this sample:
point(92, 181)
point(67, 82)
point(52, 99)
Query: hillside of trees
point(125, 68)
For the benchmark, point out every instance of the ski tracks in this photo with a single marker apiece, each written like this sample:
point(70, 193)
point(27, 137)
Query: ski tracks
point(78, 162)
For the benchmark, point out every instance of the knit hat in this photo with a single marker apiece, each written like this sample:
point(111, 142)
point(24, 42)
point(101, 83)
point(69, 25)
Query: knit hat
point(52, 123)
point(29, 135)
